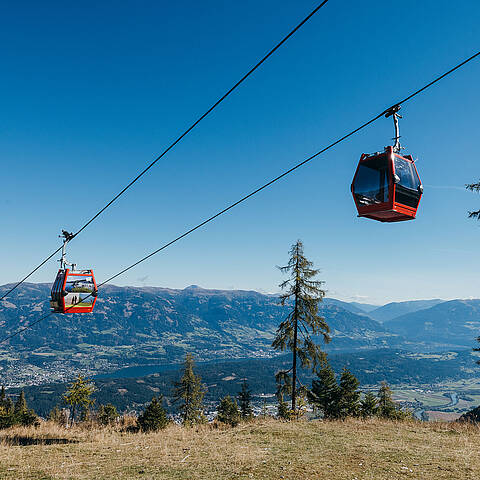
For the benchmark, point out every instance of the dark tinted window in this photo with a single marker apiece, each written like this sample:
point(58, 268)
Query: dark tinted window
point(407, 174)
point(371, 182)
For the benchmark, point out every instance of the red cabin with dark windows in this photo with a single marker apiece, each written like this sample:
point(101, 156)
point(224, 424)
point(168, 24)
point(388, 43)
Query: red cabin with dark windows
point(74, 291)
point(386, 187)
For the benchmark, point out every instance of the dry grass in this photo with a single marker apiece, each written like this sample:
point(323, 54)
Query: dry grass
point(264, 449)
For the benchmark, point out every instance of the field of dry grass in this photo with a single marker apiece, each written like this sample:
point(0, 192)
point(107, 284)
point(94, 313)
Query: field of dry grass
point(263, 449)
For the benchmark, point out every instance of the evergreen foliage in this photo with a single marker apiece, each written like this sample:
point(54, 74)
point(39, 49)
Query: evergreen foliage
point(189, 392)
point(348, 395)
point(107, 414)
point(302, 295)
point(244, 401)
point(324, 394)
point(154, 417)
point(387, 408)
point(474, 187)
point(3, 397)
point(20, 404)
point(369, 405)
point(228, 411)
point(79, 397)
point(57, 415)
point(283, 410)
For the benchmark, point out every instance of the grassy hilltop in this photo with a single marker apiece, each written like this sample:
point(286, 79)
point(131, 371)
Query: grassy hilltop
point(263, 449)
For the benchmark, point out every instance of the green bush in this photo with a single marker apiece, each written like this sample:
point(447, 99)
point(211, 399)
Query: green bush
point(154, 417)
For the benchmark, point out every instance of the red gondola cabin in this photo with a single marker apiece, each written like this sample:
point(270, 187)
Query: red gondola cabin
point(74, 291)
point(386, 187)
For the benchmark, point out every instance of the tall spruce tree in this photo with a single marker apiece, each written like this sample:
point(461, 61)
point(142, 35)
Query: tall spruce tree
point(302, 295)
point(349, 395)
point(324, 394)
point(189, 392)
point(244, 398)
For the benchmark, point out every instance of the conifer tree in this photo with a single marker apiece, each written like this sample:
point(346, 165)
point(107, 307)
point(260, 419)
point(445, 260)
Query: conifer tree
point(107, 414)
point(386, 406)
point(474, 187)
point(302, 294)
point(9, 406)
point(227, 411)
point(154, 417)
point(6, 418)
point(56, 415)
point(244, 402)
point(283, 409)
point(369, 405)
point(349, 395)
point(324, 394)
point(20, 404)
point(3, 397)
point(79, 397)
point(22, 415)
point(189, 391)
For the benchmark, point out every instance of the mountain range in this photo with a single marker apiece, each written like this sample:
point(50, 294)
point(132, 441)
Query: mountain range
point(145, 325)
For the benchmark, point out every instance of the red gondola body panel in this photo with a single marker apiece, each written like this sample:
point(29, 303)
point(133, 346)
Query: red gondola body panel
point(386, 187)
point(74, 291)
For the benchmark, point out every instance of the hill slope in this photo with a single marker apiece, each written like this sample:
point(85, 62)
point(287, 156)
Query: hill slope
point(145, 325)
point(456, 323)
point(396, 309)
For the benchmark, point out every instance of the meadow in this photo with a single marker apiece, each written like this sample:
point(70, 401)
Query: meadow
point(261, 449)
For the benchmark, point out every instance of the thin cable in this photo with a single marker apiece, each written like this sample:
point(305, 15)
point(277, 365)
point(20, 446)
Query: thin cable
point(276, 179)
point(185, 133)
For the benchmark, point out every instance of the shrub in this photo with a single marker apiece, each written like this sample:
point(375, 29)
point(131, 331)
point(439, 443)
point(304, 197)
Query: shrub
point(154, 417)
point(228, 411)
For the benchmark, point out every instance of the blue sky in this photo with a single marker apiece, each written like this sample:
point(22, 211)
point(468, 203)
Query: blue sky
point(92, 92)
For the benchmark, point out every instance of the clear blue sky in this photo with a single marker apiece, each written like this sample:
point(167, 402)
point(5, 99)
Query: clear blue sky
point(92, 92)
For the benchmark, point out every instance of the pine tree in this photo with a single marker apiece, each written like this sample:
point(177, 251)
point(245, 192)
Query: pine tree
point(107, 414)
point(348, 395)
point(190, 392)
point(283, 409)
point(20, 404)
point(154, 417)
point(6, 418)
point(324, 394)
point(3, 397)
point(9, 406)
point(294, 332)
point(369, 406)
point(474, 187)
point(79, 397)
point(22, 415)
point(386, 406)
point(56, 415)
point(244, 401)
point(228, 411)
